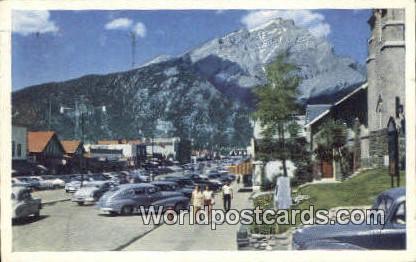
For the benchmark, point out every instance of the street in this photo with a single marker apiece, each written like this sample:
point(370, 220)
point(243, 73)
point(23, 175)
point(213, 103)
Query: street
point(65, 226)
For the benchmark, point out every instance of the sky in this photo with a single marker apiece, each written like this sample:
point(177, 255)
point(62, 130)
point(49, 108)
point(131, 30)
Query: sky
point(49, 46)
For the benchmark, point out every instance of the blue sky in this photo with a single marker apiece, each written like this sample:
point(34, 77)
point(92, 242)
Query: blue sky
point(60, 45)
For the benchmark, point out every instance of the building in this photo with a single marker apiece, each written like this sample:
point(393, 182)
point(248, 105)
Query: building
point(386, 81)
point(133, 151)
point(350, 110)
point(74, 154)
point(19, 143)
point(44, 148)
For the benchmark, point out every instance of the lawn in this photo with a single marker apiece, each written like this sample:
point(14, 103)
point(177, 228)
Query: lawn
point(358, 191)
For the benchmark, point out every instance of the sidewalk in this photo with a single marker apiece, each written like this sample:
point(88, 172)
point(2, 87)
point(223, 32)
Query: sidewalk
point(195, 237)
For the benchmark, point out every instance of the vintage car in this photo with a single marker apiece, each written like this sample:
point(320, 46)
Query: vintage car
point(390, 235)
point(126, 199)
point(76, 182)
point(91, 192)
point(165, 185)
point(23, 204)
point(16, 182)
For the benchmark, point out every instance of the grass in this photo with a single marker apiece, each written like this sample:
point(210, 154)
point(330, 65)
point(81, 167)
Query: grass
point(358, 191)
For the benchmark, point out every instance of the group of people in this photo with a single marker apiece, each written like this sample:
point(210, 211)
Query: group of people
point(201, 199)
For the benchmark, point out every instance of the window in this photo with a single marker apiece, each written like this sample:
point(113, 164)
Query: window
point(138, 191)
point(19, 150)
point(13, 149)
point(400, 215)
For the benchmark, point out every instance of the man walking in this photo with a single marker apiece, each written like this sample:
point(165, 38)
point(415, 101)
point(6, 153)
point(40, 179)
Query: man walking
point(227, 195)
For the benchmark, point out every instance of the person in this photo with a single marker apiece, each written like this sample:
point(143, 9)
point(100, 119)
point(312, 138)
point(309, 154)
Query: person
point(227, 195)
point(197, 199)
point(238, 180)
point(208, 199)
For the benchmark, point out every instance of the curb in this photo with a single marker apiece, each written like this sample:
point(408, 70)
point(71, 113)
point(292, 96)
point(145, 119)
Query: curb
point(55, 201)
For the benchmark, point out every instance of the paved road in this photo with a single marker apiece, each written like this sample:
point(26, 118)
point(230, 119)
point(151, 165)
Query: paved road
point(194, 237)
point(51, 195)
point(65, 226)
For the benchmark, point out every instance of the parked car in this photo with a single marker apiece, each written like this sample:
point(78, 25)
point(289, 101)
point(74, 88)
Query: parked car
point(181, 181)
point(76, 181)
point(126, 199)
point(165, 185)
point(55, 181)
point(204, 181)
point(23, 204)
point(91, 192)
point(391, 235)
point(16, 182)
point(43, 183)
point(34, 184)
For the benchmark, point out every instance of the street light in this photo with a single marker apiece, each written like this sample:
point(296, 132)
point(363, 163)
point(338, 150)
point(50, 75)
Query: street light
point(80, 112)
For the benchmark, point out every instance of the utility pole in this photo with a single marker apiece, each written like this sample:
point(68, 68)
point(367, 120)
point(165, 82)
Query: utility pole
point(49, 114)
point(133, 48)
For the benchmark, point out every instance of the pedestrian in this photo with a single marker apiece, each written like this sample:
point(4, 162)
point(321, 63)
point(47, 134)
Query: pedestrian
point(208, 199)
point(238, 180)
point(227, 195)
point(197, 199)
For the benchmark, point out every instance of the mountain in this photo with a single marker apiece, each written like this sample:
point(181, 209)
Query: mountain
point(204, 94)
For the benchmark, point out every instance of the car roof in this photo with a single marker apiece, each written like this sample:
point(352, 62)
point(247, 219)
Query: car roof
point(138, 185)
point(394, 192)
point(163, 182)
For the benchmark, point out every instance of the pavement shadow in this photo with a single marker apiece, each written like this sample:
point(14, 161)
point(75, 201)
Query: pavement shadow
point(28, 220)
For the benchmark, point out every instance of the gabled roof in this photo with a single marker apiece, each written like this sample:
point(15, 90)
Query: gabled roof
point(70, 146)
point(316, 112)
point(37, 141)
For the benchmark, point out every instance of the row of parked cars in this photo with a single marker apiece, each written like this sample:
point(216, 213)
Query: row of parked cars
point(123, 192)
point(39, 182)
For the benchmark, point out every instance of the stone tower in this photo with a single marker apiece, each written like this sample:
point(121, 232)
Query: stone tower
point(386, 80)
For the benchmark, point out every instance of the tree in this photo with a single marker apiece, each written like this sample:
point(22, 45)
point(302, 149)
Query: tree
point(276, 103)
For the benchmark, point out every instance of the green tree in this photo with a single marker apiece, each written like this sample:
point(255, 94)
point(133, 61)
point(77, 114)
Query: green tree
point(276, 103)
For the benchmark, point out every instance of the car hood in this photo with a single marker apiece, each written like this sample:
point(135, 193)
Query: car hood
point(328, 232)
point(85, 191)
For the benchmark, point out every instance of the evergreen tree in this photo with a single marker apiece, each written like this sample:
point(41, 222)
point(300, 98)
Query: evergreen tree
point(276, 103)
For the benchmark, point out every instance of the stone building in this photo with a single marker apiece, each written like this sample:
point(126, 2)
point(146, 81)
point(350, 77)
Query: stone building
point(386, 81)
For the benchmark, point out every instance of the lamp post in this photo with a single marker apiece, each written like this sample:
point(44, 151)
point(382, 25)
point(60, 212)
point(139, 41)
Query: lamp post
point(80, 110)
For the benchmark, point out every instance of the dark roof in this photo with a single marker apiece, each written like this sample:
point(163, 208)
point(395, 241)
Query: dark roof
point(395, 192)
point(314, 111)
point(163, 182)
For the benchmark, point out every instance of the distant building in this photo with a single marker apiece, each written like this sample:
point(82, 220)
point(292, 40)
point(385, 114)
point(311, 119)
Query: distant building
point(132, 151)
point(19, 143)
point(74, 154)
point(386, 81)
point(44, 148)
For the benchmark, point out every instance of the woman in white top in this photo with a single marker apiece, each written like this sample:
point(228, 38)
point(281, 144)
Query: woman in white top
point(197, 199)
point(208, 199)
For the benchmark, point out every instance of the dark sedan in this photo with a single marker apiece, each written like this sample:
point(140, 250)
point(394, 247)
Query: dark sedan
point(390, 235)
point(172, 186)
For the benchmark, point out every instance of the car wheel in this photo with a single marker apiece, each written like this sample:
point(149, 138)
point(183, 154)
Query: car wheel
point(112, 213)
point(126, 210)
point(37, 214)
point(80, 203)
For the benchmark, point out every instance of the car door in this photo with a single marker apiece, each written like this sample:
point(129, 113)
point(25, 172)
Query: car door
point(393, 235)
point(153, 194)
point(140, 197)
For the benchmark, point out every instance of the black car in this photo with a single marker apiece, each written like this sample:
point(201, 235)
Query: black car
point(204, 181)
point(181, 181)
point(391, 235)
point(165, 185)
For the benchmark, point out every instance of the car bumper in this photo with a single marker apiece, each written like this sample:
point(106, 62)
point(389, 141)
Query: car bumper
point(83, 199)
